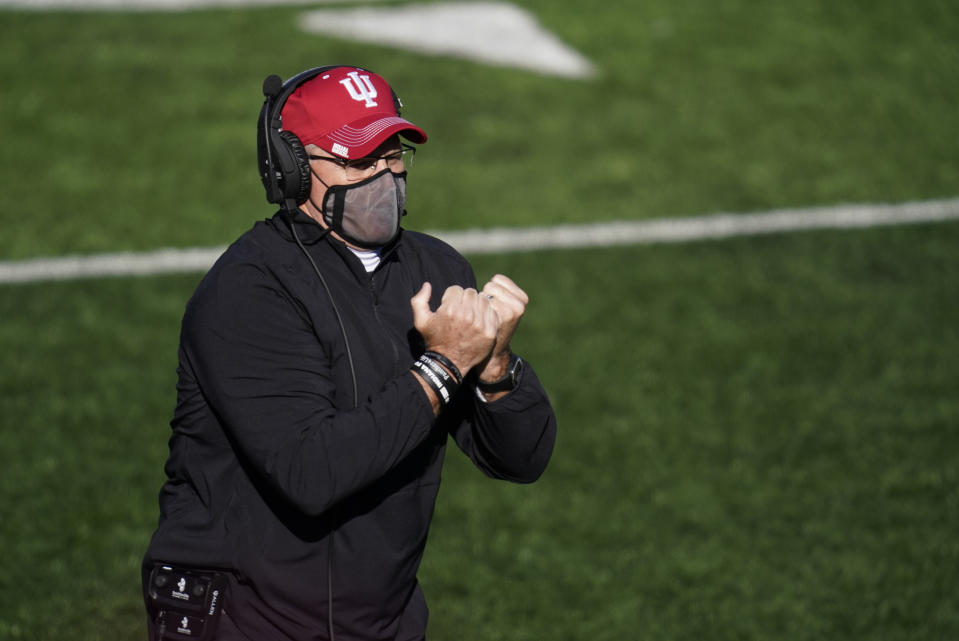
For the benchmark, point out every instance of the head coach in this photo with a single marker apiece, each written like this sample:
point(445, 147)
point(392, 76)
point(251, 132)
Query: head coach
point(325, 361)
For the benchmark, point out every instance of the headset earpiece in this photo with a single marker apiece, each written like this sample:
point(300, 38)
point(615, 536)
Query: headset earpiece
point(297, 185)
point(286, 171)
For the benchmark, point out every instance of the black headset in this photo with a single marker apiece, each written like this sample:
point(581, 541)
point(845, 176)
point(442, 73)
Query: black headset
point(282, 160)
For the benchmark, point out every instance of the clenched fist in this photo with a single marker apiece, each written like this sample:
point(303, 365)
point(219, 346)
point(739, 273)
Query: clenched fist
point(509, 302)
point(465, 328)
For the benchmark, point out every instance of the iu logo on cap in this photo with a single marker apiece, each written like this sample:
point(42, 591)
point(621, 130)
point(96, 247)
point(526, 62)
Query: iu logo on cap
point(360, 87)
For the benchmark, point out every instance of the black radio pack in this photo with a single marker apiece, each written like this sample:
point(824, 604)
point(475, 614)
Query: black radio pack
point(185, 603)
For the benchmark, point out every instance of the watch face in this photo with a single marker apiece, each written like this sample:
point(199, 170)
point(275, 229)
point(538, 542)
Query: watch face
point(515, 369)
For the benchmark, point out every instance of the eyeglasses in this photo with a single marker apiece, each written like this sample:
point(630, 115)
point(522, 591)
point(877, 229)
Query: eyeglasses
point(361, 168)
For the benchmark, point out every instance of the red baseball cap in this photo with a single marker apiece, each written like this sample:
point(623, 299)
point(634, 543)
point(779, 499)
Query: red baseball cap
point(348, 111)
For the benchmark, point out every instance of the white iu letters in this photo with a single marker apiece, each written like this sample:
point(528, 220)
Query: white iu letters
point(360, 88)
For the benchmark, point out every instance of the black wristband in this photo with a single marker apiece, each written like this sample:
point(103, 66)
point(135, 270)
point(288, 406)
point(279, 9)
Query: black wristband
point(447, 363)
point(433, 380)
point(445, 376)
point(438, 379)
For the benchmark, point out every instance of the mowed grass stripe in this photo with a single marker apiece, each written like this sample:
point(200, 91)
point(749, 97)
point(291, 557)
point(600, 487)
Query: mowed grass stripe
point(497, 240)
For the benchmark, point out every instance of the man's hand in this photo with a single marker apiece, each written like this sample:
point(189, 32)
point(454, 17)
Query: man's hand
point(509, 302)
point(464, 328)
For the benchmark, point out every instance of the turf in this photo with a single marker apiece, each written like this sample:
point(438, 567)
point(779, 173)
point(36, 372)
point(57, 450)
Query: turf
point(758, 437)
point(764, 448)
point(136, 130)
point(752, 444)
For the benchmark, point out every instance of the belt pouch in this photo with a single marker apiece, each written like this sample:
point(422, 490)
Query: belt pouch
point(185, 603)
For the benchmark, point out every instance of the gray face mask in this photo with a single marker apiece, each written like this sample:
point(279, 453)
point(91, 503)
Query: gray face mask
point(367, 214)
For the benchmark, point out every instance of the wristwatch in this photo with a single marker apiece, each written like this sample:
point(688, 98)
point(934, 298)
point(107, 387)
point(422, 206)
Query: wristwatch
point(509, 381)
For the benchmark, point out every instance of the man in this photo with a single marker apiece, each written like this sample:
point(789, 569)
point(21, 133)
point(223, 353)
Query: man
point(324, 361)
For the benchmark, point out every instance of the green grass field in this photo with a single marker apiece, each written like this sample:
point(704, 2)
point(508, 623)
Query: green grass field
point(759, 437)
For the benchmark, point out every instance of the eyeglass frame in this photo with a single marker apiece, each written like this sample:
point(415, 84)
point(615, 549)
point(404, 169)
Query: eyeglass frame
point(348, 165)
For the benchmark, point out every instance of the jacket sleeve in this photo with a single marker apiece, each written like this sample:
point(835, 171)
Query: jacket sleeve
point(262, 370)
point(511, 438)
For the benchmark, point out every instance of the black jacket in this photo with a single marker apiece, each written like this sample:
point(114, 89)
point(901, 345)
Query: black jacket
point(279, 476)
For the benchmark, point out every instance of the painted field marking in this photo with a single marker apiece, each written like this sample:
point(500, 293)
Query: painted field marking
point(714, 226)
point(491, 32)
point(501, 240)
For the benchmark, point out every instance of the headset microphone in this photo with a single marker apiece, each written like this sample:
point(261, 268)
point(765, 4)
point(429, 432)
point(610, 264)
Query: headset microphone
point(272, 86)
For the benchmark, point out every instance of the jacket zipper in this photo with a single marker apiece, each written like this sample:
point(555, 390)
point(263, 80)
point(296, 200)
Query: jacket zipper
point(376, 314)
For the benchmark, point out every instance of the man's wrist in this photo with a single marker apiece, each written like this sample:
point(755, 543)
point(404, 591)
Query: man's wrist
point(447, 363)
point(508, 379)
point(442, 382)
point(495, 367)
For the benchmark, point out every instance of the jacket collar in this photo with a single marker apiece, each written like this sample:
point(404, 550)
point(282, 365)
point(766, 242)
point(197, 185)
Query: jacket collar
point(311, 232)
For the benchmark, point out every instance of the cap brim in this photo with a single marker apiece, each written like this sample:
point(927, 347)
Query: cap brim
point(362, 137)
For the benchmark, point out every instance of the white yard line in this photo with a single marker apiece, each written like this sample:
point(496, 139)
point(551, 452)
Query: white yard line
point(677, 230)
point(499, 240)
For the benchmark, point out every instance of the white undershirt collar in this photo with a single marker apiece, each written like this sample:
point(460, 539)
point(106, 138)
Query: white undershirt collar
point(369, 257)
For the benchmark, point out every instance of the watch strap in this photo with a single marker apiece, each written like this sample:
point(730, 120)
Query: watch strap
point(509, 380)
